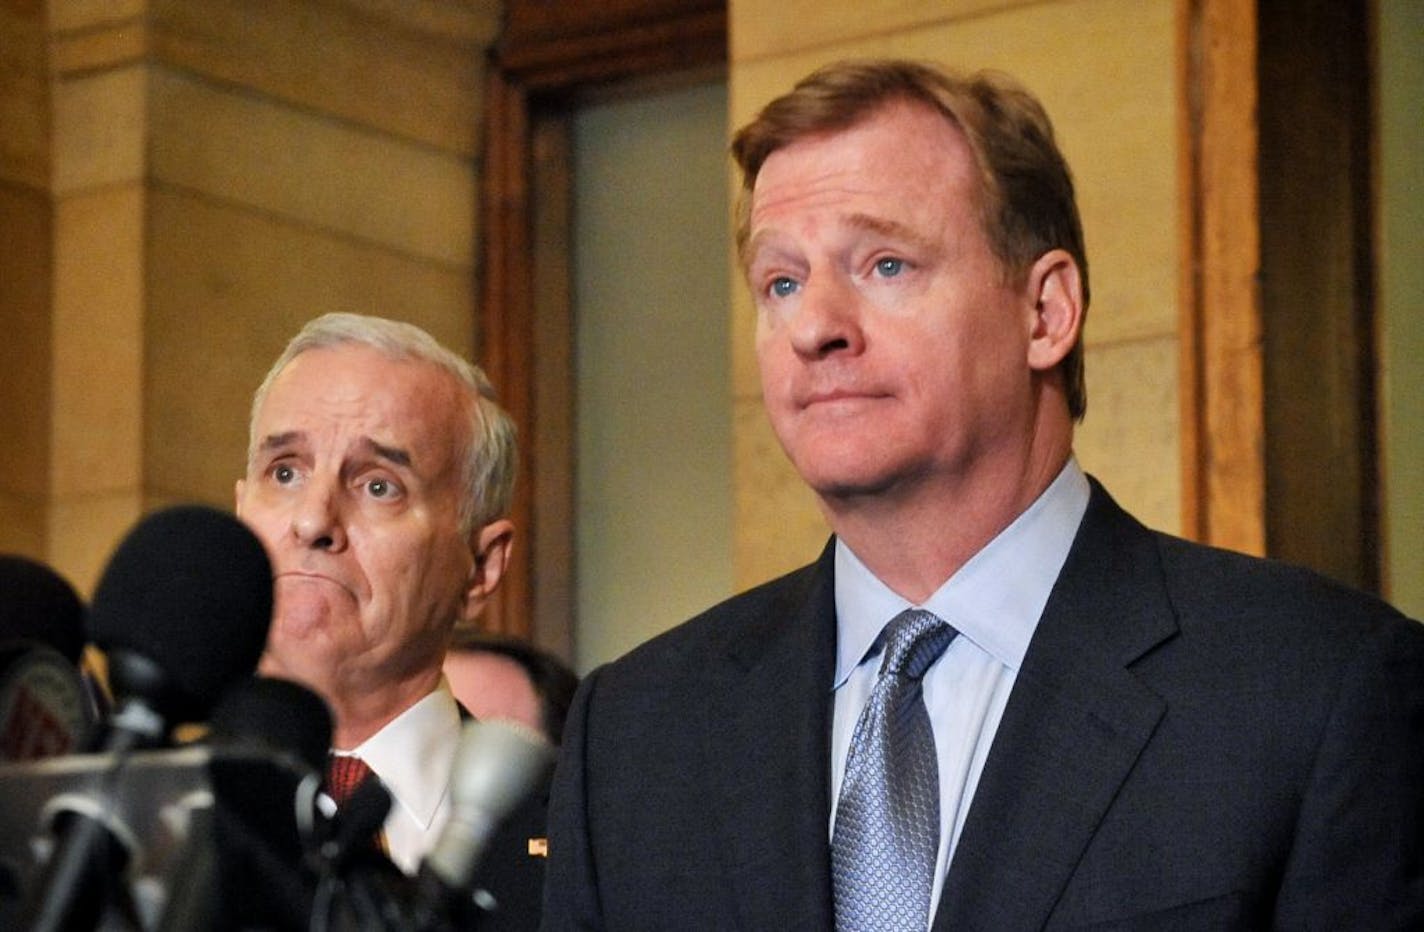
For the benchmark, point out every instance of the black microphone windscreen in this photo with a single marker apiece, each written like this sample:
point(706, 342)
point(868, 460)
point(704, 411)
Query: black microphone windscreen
point(37, 604)
point(278, 714)
point(190, 591)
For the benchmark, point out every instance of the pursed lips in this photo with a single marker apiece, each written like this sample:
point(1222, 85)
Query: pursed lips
point(310, 576)
point(839, 396)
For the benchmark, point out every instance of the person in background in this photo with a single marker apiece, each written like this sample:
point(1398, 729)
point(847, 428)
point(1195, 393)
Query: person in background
point(996, 701)
point(504, 678)
point(379, 476)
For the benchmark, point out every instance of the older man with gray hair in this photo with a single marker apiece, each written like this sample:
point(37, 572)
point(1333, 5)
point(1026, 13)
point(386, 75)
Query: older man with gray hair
point(379, 473)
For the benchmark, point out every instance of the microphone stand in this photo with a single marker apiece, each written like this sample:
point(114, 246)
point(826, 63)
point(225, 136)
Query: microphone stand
point(93, 845)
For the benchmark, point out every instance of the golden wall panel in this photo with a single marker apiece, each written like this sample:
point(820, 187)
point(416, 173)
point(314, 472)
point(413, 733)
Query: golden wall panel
point(227, 288)
point(97, 349)
point(88, 15)
point(772, 30)
point(24, 97)
point(23, 526)
point(84, 531)
point(113, 44)
point(321, 172)
point(777, 525)
point(415, 75)
point(746, 378)
point(1130, 438)
point(25, 268)
point(99, 129)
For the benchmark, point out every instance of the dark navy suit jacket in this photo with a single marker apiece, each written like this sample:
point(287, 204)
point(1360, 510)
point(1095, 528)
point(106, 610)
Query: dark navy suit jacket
point(1196, 740)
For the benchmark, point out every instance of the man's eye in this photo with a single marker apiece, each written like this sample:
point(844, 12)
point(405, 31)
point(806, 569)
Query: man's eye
point(380, 488)
point(283, 474)
point(782, 287)
point(889, 268)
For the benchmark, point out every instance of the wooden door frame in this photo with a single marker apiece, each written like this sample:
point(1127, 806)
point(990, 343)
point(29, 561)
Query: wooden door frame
point(550, 55)
point(1223, 461)
point(1279, 432)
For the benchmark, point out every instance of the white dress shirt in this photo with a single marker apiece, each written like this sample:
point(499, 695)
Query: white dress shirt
point(994, 602)
point(413, 755)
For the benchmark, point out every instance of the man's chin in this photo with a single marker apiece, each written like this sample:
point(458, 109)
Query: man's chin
point(295, 651)
point(850, 485)
point(274, 664)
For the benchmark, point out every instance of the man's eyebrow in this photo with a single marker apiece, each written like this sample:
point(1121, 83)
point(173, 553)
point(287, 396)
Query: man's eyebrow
point(275, 441)
point(753, 247)
point(395, 455)
point(892, 228)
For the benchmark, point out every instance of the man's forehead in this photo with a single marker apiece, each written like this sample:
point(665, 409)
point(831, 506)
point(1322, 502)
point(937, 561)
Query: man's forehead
point(365, 375)
point(395, 408)
point(864, 180)
point(876, 148)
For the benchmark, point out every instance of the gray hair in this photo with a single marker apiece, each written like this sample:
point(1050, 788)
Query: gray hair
point(489, 463)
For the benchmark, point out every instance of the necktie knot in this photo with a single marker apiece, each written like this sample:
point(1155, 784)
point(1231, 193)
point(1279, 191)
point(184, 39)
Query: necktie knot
point(914, 639)
point(344, 773)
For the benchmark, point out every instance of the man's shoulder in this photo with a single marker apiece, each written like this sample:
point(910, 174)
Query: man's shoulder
point(1261, 604)
point(748, 617)
point(1213, 587)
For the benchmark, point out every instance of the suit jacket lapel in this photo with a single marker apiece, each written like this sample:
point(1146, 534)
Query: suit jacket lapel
point(1071, 732)
point(767, 721)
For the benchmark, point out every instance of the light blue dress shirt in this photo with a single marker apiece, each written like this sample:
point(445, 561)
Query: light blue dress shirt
point(994, 601)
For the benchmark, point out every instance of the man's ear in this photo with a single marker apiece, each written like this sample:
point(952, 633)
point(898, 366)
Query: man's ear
point(490, 546)
point(1055, 288)
point(237, 496)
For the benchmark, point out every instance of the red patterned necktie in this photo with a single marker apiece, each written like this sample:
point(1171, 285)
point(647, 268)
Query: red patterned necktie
point(344, 773)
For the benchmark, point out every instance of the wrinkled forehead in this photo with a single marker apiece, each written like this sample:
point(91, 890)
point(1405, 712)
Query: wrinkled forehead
point(354, 391)
point(904, 170)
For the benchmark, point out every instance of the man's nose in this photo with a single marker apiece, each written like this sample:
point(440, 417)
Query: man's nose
point(828, 320)
point(317, 519)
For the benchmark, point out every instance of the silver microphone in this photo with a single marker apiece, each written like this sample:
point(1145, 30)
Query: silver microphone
point(498, 764)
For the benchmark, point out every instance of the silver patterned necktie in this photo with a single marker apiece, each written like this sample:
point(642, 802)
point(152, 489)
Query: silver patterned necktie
point(887, 821)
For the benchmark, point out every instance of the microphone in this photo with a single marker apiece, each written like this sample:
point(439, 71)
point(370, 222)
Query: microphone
point(37, 605)
point(248, 870)
point(45, 706)
point(358, 887)
point(498, 765)
point(275, 715)
point(182, 612)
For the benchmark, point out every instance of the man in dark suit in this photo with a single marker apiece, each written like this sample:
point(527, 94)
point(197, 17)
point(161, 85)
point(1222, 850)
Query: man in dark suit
point(379, 475)
point(996, 701)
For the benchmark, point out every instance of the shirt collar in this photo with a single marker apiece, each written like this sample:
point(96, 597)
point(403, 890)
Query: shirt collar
point(994, 600)
point(414, 752)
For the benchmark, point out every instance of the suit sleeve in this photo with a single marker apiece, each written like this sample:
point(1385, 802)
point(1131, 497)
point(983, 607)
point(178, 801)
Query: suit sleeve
point(571, 898)
point(1357, 861)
